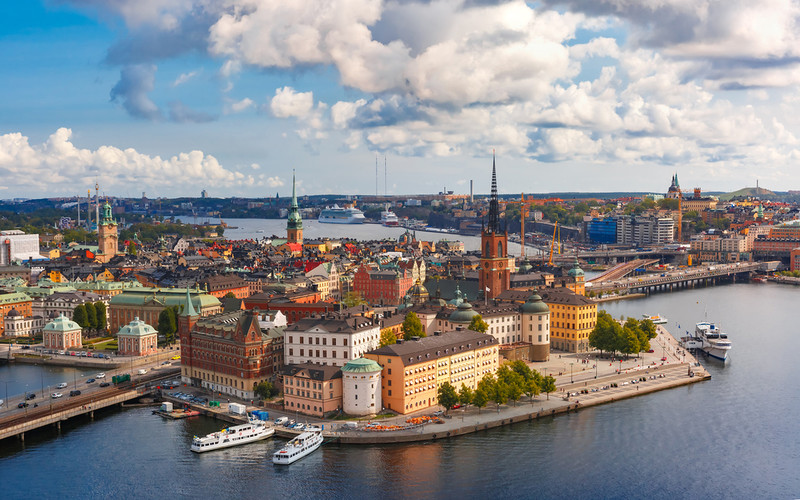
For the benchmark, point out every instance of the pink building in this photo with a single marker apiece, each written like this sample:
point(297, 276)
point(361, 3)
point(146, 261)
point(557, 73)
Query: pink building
point(62, 333)
point(137, 338)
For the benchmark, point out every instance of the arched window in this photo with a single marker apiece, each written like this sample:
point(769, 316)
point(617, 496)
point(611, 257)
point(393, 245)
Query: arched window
point(499, 248)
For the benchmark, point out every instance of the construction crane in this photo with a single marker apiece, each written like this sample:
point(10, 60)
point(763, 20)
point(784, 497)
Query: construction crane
point(553, 243)
point(523, 207)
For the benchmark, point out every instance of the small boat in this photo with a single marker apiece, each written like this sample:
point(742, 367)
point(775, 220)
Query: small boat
point(254, 430)
point(299, 446)
point(657, 320)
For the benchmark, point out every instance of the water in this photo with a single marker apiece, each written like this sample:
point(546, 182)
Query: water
point(734, 436)
point(31, 378)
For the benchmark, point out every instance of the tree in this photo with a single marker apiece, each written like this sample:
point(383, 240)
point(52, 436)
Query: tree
point(478, 324)
point(548, 385)
point(605, 333)
point(447, 396)
point(352, 299)
point(480, 398)
point(265, 390)
point(132, 248)
point(79, 316)
point(91, 315)
point(512, 381)
point(166, 323)
point(387, 337)
point(412, 326)
point(229, 295)
point(668, 203)
point(629, 342)
point(465, 395)
point(100, 312)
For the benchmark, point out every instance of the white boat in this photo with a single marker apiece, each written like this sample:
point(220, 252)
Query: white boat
point(340, 215)
point(299, 446)
point(657, 320)
point(254, 430)
point(389, 218)
point(708, 338)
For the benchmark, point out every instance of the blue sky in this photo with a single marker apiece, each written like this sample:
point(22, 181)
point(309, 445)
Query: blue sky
point(170, 97)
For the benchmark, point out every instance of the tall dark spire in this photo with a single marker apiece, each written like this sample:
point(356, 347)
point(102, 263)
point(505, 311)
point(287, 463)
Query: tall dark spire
point(294, 220)
point(494, 206)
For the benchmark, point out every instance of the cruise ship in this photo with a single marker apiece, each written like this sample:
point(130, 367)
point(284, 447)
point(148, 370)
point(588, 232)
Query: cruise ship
point(708, 338)
point(340, 215)
point(299, 447)
point(389, 218)
point(254, 430)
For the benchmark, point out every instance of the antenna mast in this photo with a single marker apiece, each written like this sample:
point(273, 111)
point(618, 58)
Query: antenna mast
point(385, 191)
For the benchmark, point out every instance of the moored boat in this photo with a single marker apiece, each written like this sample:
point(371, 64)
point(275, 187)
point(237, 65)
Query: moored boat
point(254, 430)
point(299, 446)
point(340, 215)
point(657, 320)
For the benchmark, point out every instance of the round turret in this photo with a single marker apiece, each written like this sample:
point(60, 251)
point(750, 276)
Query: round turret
point(361, 387)
point(463, 314)
point(534, 305)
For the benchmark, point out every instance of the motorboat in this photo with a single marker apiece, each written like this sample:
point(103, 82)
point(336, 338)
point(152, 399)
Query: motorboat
point(299, 446)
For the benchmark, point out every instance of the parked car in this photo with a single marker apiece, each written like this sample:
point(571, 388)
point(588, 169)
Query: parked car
point(74, 393)
point(281, 420)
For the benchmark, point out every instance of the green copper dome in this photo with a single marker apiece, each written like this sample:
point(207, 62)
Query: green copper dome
point(463, 314)
point(61, 324)
point(525, 267)
point(576, 269)
point(362, 365)
point(534, 305)
point(294, 221)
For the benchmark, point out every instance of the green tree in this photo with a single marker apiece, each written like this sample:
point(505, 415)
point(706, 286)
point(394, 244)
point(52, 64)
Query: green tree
point(480, 399)
point(412, 326)
point(352, 299)
point(465, 395)
point(513, 381)
point(265, 390)
point(132, 248)
point(166, 323)
point(79, 316)
point(668, 203)
point(387, 337)
point(478, 324)
point(100, 312)
point(229, 295)
point(629, 341)
point(548, 385)
point(605, 333)
point(91, 315)
point(447, 396)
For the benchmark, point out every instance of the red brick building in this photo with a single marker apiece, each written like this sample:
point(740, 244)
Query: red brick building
point(494, 274)
point(382, 287)
point(228, 353)
point(221, 284)
point(294, 308)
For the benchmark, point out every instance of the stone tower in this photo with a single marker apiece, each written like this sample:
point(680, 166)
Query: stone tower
point(294, 224)
point(107, 238)
point(495, 275)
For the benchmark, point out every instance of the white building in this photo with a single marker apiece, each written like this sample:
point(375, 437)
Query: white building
point(329, 340)
point(15, 245)
point(17, 325)
point(361, 387)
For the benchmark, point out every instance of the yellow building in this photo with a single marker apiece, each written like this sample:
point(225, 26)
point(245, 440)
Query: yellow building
point(413, 370)
point(572, 319)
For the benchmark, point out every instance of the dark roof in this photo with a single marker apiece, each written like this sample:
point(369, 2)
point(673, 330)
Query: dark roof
point(429, 348)
point(333, 323)
point(564, 296)
point(312, 371)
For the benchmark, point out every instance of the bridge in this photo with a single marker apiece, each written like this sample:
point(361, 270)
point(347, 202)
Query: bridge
point(681, 278)
point(54, 412)
point(624, 269)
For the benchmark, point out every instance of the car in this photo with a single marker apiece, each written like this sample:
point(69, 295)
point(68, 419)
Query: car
point(56, 395)
point(166, 363)
point(177, 356)
point(281, 420)
point(61, 352)
point(100, 375)
point(456, 406)
point(142, 371)
point(104, 384)
point(74, 393)
point(23, 405)
point(438, 413)
point(26, 347)
point(30, 396)
point(90, 381)
point(664, 358)
point(61, 385)
point(1, 402)
point(651, 351)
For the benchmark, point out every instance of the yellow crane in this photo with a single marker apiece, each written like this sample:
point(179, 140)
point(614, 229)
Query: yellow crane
point(553, 243)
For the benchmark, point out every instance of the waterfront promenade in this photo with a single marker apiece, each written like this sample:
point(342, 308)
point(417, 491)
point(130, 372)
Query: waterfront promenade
point(573, 373)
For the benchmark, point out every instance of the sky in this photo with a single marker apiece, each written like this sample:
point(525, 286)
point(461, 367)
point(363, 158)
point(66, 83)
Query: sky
point(172, 97)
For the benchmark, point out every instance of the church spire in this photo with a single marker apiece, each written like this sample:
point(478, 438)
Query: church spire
point(294, 221)
point(494, 208)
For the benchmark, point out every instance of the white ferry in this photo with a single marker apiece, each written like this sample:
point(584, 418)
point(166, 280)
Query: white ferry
point(255, 430)
point(299, 446)
point(657, 320)
point(708, 338)
point(340, 215)
point(389, 218)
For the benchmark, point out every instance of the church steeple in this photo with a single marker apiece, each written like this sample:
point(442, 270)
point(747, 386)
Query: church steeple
point(494, 207)
point(294, 224)
point(494, 274)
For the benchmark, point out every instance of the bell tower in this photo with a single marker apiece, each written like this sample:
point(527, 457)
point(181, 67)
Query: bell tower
point(294, 224)
point(108, 239)
point(495, 276)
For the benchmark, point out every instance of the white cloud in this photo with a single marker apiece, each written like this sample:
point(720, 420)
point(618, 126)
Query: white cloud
point(58, 162)
point(184, 77)
point(288, 103)
point(232, 106)
point(275, 182)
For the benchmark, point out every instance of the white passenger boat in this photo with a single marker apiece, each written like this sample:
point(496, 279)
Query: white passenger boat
point(299, 446)
point(389, 218)
point(339, 215)
point(715, 343)
point(657, 320)
point(254, 430)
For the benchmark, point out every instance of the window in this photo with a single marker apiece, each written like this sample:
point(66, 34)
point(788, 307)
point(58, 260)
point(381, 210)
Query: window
point(390, 382)
point(291, 339)
point(301, 340)
point(291, 352)
point(390, 371)
point(301, 352)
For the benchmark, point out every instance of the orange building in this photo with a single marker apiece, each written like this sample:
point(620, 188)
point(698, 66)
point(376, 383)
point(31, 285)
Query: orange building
point(222, 284)
point(413, 370)
point(312, 389)
point(18, 301)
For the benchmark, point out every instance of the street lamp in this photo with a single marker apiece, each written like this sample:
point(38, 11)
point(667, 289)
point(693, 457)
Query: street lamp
point(596, 364)
point(570, 372)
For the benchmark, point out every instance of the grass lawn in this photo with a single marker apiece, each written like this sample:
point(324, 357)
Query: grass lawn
point(108, 344)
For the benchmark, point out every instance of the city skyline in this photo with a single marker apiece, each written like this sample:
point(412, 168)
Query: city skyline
point(173, 97)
